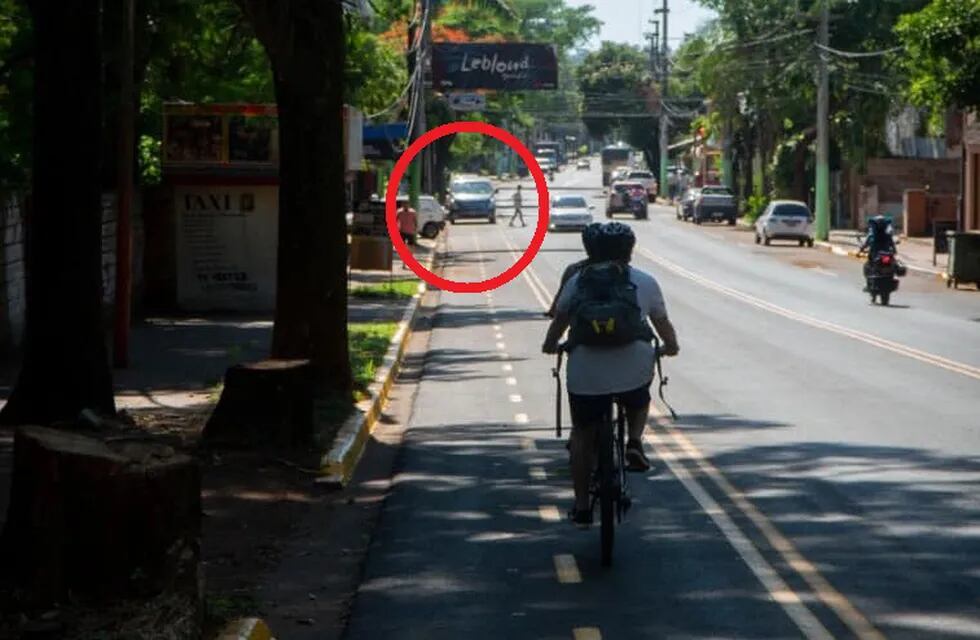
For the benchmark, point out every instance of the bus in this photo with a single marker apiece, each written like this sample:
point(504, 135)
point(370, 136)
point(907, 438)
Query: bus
point(614, 157)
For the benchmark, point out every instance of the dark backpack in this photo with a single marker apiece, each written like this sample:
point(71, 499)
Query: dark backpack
point(604, 310)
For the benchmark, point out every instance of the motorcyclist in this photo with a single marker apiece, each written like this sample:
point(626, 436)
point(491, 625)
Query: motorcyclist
point(597, 375)
point(880, 237)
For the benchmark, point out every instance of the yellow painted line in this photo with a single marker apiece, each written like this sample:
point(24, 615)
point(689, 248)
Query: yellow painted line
point(867, 338)
point(549, 513)
point(538, 473)
point(566, 569)
point(845, 610)
point(586, 633)
point(779, 591)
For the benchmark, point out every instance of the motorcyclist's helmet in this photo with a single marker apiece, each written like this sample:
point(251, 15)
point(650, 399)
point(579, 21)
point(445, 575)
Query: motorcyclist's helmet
point(590, 239)
point(880, 225)
point(616, 241)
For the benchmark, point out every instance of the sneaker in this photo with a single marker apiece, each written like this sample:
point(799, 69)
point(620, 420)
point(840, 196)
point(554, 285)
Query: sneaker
point(581, 518)
point(636, 459)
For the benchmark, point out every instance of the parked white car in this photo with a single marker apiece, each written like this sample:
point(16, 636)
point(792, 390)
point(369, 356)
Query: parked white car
point(570, 211)
point(432, 217)
point(647, 179)
point(785, 220)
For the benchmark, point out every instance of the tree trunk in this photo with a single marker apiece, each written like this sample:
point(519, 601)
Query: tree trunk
point(101, 520)
point(305, 42)
point(65, 366)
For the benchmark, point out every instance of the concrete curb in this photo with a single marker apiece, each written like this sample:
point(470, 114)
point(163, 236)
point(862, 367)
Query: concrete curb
point(246, 629)
point(852, 253)
point(338, 464)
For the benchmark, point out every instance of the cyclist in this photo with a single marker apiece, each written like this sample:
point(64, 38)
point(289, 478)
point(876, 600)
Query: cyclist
point(589, 236)
point(617, 362)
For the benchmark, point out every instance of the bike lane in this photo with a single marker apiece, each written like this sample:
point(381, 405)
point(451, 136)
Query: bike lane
point(472, 540)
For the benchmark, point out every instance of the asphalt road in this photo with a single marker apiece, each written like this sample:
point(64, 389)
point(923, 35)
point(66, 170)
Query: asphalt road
point(821, 480)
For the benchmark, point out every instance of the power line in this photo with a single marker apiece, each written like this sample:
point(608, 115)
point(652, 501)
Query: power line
point(858, 54)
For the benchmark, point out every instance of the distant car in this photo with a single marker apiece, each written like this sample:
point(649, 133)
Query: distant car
point(618, 174)
point(583, 164)
point(570, 211)
point(471, 198)
point(649, 182)
point(715, 203)
point(785, 220)
point(685, 208)
point(621, 196)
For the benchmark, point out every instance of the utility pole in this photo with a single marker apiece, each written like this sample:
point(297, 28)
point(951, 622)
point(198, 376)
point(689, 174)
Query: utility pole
point(418, 124)
point(664, 92)
point(822, 196)
point(124, 192)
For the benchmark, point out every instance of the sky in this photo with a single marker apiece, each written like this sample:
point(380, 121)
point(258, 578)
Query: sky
point(627, 20)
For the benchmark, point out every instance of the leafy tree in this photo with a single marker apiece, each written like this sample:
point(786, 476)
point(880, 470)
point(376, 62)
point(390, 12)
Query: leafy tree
point(16, 82)
point(942, 54)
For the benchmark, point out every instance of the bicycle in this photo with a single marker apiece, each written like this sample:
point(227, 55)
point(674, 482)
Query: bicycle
point(609, 486)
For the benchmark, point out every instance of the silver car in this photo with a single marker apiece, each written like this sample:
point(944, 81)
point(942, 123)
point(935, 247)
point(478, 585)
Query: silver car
point(785, 220)
point(569, 211)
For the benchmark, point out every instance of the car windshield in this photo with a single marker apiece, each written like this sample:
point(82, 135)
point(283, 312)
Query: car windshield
point(641, 174)
point(479, 188)
point(717, 191)
point(569, 202)
point(791, 211)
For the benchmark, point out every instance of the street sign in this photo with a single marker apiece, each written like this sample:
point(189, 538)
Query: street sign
point(467, 102)
point(505, 66)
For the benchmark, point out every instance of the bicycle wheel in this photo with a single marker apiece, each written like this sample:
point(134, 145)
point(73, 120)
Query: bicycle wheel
point(607, 489)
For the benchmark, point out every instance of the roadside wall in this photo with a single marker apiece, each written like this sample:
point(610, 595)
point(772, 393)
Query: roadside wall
point(891, 177)
point(13, 225)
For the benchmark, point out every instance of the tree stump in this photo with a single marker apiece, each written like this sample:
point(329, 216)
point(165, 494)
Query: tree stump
point(101, 519)
point(265, 402)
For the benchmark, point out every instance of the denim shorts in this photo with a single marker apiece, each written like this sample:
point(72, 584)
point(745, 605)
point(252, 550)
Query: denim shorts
point(589, 411)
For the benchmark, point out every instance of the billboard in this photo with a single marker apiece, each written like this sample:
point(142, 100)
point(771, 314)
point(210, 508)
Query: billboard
point(506, 66)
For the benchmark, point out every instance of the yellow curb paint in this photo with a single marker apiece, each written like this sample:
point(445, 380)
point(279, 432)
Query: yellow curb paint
point(246, 629)
point(566, 569)
point(549, 513)
point(586, 633)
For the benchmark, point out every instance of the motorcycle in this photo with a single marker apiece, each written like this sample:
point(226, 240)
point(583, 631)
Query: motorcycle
point(881, 275)
point(638, 204)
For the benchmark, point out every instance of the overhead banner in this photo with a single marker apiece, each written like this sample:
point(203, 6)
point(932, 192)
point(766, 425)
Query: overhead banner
point(505, 66)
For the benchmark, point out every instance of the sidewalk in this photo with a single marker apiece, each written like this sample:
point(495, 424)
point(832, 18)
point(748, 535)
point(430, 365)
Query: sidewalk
point(251, 500)
point(915, 253)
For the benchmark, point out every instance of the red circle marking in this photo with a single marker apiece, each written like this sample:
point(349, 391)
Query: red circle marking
point(392, 194)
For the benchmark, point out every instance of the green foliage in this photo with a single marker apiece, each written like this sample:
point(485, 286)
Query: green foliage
point(754, 206)
point(615, 80)
point(376, 73)
point(369, 343)
point(942, 54)
point(16, 87)
point(398, 289)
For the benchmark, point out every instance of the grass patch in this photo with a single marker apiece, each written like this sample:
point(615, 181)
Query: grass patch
point(368, 345)
point(397, 289)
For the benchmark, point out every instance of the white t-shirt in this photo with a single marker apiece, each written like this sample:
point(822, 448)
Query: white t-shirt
point(594, 371)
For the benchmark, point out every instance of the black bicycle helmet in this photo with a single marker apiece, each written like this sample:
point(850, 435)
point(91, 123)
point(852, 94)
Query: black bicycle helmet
point(590, 238)
point(615, 242)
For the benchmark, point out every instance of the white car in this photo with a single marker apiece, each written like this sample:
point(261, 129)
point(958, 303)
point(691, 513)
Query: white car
point(432, 217)
point(785, 220)
point(570, 211)
point(645, 177)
